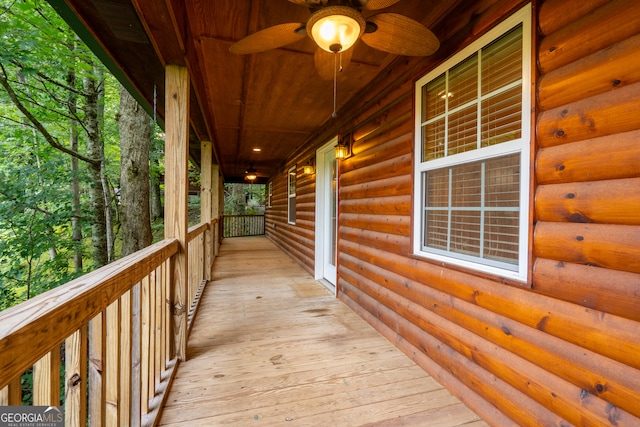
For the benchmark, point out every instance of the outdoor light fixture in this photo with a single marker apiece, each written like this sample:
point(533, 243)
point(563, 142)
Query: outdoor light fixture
point(343, 148)
point(251, 173)
point(309, 169)
point(336, 28)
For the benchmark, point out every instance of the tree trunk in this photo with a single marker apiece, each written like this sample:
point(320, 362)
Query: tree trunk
point(155, 195)
point(134, 126)
point(95, 150)
point(76, 210)
point(135, 133)
point(106, 187)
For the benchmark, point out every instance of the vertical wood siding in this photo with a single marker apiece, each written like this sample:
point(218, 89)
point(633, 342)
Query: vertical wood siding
point(565, 351)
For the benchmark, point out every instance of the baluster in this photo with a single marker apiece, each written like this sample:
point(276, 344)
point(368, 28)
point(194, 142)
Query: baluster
point(11, 395)
point(157, 325)
point(111, 365)
point(144, 347)
point(164, 313)
point(125, 356)
point(152, 334)
point(136, 341)
point(75, 357)
point(46, 379)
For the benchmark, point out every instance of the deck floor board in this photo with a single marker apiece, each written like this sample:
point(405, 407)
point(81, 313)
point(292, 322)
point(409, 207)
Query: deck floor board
point(271, 346)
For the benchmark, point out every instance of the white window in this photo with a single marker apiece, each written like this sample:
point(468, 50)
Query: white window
point(291, 185)
point(472, 148)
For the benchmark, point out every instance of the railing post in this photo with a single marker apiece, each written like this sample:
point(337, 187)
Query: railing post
point(217, 200)
point(206, 208)
point(176, 191)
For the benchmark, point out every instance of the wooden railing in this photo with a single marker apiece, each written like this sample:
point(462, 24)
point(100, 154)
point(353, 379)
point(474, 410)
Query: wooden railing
point(200, 239)
point(243, 225)
point(114, 329)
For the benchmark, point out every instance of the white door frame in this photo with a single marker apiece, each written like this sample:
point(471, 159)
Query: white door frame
point(323, 191)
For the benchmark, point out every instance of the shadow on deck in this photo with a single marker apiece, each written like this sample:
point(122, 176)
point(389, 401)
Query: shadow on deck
point(271, 346)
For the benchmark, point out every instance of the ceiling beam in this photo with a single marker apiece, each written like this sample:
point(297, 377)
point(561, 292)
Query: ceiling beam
point(157, 21)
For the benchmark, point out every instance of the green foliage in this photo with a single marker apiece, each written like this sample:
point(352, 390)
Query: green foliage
point(34, 222)
point(26, 384)
point(45, 65)
point(156, 154)
point(244, 199)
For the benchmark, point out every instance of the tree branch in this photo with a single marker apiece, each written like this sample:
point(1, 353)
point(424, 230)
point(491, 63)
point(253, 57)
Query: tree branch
point(46, 78)
point(53, 141)
point(27, 97)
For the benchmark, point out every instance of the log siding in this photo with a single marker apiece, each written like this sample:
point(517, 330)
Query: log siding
point(564, 351)
point(297, 240)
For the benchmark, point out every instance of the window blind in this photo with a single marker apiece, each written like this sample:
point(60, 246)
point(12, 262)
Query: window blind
point(471, 209)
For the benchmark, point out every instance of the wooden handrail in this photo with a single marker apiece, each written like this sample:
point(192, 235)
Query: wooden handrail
point(196, 230)
point(29, 330)
point(118, 328)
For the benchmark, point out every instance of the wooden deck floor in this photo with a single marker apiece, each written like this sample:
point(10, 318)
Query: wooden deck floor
point(271, 346)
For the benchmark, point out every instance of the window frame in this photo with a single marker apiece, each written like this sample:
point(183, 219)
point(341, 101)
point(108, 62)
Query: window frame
point(269, 193)
point(522, 146)
point(291, 196)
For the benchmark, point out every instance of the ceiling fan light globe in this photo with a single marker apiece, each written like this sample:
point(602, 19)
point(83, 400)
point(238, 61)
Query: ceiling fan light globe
point(336, 28)
point(251, 173)
point(335, 33)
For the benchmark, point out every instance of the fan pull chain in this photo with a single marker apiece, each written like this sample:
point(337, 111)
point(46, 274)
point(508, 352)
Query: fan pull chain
point(335, 85)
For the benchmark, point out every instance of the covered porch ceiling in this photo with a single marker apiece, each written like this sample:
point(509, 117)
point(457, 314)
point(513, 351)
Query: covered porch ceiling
point(274, 101)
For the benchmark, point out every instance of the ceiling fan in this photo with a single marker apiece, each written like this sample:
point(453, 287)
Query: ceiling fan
point(335, 25)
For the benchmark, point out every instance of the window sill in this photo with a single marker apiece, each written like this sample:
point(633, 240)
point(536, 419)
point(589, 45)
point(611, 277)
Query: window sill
point(496, 278)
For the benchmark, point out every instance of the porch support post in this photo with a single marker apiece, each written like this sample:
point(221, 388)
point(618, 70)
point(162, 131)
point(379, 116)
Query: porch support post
point(206, 155)
point(176, 193)
point(217, 203)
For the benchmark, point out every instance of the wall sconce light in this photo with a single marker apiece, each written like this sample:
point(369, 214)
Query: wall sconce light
point(251, 173)
point(309, 168)
point(343, 148)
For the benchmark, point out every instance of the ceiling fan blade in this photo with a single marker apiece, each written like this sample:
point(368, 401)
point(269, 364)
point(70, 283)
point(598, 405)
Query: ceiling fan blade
point(401, 35)
point(326, 62)
point(269, 38)
point(378, 4)
point(310, 3)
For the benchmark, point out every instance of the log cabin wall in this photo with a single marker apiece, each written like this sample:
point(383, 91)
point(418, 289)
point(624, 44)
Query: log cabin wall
point(297, 240)
point(563, 350)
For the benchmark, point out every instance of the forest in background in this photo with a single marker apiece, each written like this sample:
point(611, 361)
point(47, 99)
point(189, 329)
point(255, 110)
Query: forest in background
point(244, 199)
point(81, 163)
point(69, 136)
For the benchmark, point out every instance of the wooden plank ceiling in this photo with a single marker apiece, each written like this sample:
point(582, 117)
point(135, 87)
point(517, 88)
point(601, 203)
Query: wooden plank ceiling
point(273, 101)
